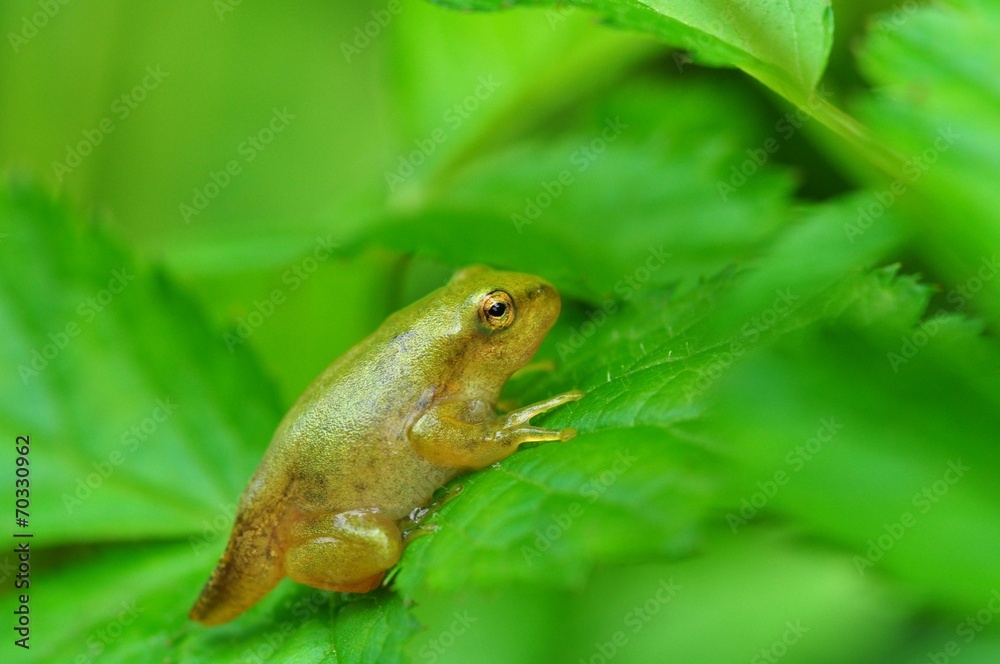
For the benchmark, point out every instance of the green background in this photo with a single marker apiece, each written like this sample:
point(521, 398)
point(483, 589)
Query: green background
point(775, 228)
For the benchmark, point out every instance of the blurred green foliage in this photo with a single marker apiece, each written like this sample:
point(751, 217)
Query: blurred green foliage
point(775, 227)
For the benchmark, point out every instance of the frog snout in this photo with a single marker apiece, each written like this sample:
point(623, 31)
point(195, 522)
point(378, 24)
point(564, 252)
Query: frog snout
point(541, 290)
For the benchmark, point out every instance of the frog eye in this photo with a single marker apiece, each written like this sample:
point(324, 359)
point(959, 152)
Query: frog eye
point(497, 309)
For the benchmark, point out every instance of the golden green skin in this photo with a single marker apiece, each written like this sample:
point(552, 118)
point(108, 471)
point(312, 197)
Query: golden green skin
point(372, 438)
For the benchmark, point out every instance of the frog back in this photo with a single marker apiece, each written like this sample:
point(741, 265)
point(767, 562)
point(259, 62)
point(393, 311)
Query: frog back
point(344, 443)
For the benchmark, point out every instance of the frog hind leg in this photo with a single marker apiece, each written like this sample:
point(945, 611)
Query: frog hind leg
point(345, 552)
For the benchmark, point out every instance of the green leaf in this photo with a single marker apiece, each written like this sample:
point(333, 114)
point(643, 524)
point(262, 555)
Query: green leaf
point(547, 514)
point(755, 584)
point(887, 450)
point(783, 44)
point(935, 103)
point(765, 588)
point(516, 68)
point(640, 160)
point(116, 378)
point(143, 426)
point(788, 427)
point(130, 604)
point(637, 484)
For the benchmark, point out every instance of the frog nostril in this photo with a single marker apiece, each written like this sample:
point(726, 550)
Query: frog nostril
point(541, 289)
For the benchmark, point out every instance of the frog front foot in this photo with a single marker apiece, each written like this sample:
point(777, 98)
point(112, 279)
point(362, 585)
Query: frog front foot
point(442, 437)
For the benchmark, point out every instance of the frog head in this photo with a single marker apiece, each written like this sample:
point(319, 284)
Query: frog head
point(498, 320)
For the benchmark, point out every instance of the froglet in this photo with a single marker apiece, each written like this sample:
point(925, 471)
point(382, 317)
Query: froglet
point(395, 418)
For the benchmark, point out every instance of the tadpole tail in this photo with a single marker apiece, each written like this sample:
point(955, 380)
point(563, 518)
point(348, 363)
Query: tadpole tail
point(234, 586)
point(251, 566)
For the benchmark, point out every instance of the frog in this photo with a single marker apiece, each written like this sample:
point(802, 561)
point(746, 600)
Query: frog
point(375, 435)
